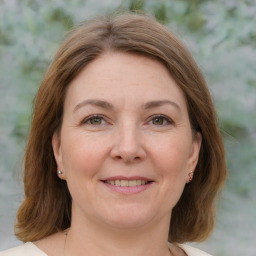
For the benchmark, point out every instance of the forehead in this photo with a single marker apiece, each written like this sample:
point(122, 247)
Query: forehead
point(117, 75)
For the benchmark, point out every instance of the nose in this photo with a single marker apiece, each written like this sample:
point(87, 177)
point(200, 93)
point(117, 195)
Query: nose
point(128, 146)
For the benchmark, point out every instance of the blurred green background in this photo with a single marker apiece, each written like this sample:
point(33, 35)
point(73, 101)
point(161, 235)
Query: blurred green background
point(221, 35)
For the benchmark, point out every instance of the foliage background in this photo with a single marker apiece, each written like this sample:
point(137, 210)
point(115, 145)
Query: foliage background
point(221, 35)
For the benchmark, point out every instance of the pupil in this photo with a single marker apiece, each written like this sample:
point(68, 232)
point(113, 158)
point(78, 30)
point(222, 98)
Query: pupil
point(96, 121)
point(158, 121)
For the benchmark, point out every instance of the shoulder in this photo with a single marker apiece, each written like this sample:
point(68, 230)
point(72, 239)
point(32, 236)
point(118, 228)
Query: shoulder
point(191, 251)
point(27, 249)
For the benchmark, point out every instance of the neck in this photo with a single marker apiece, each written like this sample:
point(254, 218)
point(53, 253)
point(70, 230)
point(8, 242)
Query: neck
point(94, 239)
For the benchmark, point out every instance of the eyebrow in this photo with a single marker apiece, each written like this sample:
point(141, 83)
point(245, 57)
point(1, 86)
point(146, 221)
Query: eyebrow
point(98, 103)
point(107, 105)
point(159, 103)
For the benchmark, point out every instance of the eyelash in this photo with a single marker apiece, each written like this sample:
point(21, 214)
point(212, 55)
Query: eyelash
point(165, 119)
point(152, 118)
point(89, 118)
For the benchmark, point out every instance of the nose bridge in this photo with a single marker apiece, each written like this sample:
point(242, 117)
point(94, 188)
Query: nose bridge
point(128, 137)
point(128, 142)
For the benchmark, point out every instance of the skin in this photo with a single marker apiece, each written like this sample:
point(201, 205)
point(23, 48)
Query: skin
point(141, 129)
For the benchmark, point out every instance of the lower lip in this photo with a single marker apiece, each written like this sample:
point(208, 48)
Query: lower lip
point(128, 190)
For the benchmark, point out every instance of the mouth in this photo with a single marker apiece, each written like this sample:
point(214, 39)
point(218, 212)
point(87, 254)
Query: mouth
point(127, 183)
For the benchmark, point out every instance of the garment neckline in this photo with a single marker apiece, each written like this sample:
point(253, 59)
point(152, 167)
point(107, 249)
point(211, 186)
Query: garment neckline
point(41, 251)
point(36, 248)
point(183, 247)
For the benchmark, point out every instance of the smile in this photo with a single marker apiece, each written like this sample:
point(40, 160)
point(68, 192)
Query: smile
point(127, 183)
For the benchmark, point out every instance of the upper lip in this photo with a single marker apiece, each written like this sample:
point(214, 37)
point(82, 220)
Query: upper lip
point(127, 178)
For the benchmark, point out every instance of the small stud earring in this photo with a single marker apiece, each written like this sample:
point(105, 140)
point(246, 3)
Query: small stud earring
point(59, 172)
point(190, 176)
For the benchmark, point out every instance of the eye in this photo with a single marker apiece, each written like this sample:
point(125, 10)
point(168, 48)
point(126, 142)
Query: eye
point(160, 120)
point(94, 120)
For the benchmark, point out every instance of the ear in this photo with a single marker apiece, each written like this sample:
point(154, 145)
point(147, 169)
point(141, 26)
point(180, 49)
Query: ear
point(194, 154)
point(56, 146)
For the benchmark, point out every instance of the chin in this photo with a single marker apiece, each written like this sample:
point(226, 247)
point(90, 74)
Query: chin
point(126, 224)
point(130, 218)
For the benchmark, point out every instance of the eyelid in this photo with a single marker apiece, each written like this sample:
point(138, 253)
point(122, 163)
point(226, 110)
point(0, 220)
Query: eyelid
point(100, 116)
point(90, 117)
point(168, 119)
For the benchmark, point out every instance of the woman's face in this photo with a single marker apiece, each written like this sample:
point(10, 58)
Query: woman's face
point(126, 145)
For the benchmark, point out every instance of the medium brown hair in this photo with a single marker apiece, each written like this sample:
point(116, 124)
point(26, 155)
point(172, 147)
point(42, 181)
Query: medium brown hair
point(47, 205)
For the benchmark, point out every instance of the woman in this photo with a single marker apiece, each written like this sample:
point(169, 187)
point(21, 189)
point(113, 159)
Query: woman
point(124, 152)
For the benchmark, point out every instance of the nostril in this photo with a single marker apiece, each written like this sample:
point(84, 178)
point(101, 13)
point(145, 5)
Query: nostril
point(127, 153)
point(127, 158)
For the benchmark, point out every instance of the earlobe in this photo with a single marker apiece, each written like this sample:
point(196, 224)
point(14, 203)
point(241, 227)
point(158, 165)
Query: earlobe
point(190, 176)
point(56, 146)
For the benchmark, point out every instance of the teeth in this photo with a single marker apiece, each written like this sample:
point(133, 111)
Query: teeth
point(138, 182)
point(132, 183)
point(124, 183)
point(127, 183)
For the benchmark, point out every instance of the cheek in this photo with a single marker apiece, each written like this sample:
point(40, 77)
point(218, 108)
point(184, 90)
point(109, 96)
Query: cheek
point(170, 160)
point(82, 162)
point(82, 156)
point(172, 155)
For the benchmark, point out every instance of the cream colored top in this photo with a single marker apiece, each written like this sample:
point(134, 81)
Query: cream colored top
point(30, 249)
